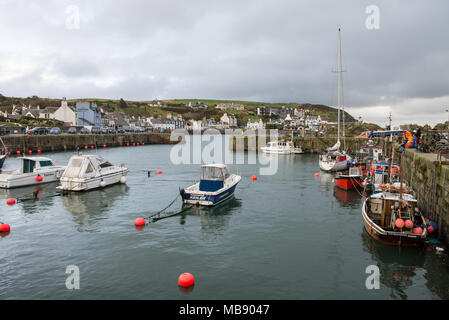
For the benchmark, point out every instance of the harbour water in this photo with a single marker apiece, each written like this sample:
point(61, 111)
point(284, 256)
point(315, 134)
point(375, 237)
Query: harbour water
point(285, 236)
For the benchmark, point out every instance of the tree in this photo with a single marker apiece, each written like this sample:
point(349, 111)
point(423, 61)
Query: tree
point(123, 104)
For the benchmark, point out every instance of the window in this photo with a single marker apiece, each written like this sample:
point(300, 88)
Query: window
point(46, 163)
point(89, 169)
point(28, 165)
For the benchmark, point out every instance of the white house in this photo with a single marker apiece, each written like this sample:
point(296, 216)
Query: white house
point(255, 125)
point(65, 114)
point(229, 121)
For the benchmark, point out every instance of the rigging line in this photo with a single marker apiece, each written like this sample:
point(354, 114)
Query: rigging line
point(169, 205)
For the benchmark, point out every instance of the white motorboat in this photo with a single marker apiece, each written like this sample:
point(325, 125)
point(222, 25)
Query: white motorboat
point(87, 172)
point(32, 171)
point(216, 185)
point(277, 147)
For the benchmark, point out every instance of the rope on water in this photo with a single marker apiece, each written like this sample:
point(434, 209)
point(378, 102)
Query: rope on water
point(157, 216)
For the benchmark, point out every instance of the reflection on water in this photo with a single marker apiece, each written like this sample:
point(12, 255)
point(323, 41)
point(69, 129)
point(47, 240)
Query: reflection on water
point(214, 220)
point(398, 266)
point(326, 181)
point(90, 206)
point(349, 198)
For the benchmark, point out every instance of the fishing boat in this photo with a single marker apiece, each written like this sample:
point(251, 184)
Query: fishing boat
point(379, 179)
point(215, 186)
point(32, 171)
point(369, 152)
point(87, 172)
point(281, 147)
point(333, 159)
point(393, 218)
point(350, 181)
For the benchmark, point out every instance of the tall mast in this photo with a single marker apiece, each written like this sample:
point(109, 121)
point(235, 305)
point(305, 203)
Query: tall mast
point(340, 77)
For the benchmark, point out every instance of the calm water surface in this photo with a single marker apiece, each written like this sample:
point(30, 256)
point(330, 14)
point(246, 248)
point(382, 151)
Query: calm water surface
point(285, 236)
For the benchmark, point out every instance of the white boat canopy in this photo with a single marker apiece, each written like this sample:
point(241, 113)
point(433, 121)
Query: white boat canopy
point(214, 172)
point(83, 166)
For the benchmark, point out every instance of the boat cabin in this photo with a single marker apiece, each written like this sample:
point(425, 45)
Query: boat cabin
point(213, 177)
point(369, 152)
point(82, 166)
point(31, 164)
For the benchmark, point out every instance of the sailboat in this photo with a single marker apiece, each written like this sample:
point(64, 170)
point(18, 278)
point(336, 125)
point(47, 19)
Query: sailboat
point(333, 159)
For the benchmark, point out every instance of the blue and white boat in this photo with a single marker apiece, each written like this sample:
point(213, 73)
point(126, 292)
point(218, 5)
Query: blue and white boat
point(216, 185)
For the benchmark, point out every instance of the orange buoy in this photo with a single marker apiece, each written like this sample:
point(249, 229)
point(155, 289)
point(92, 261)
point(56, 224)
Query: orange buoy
point(399, 223)
point(186, 280)
point(139, 222)
point(30, 152)
point(39, 178)
point(417, 230)
point(159, 172)
point(254, 178)
point(317, 174)
point(408, 224)
point(4, 227)
point(10, 201)
point(430, 229)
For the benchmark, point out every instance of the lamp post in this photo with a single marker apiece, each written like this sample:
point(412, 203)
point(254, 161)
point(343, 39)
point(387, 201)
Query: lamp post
point(447, 117)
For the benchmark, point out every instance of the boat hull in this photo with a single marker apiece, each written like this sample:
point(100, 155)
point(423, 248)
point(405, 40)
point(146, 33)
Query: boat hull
point(85, 184)
point(11, 180)
point(2, 160)
point(332, 166)
point(348, 182)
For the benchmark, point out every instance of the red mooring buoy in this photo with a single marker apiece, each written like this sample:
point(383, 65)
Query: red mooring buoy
point(38, 151)
point(254, 178)
point(91, 147)
point(30, 152)
point(39, 178)
point(186, 280)
point(127, 144)
point(10, 201)
point(317, 174)
point(18, 152)
point(139, 222)
point(85, 147)
point(104, 146)
point(159, 172)
point(4, 227)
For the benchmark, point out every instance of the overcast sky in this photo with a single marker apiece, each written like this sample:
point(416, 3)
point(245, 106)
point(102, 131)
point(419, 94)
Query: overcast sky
point(261, 50)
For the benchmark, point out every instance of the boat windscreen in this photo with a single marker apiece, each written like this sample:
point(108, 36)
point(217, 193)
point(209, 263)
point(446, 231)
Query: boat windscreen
point(211, 173)
point(106, 164)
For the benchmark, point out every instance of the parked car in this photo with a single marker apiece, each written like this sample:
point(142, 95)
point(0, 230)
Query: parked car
point(95, 130)
point(111, 130)
point(84, 131)
point(55, 130)
point(38, 131)
point(120, 130)
point(72, 130)
point(104, 130)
